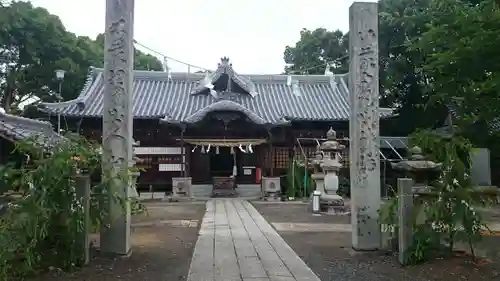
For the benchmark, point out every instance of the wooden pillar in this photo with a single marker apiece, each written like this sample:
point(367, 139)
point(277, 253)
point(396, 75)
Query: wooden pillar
point(183, 150)
point(270, 154)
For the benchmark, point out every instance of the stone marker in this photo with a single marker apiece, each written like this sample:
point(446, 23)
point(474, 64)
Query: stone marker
point(118, 122)
point(405, 222)
point(82, 183)
point(364, 125)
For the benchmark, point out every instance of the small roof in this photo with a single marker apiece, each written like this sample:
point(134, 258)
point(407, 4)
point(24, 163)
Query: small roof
point(493, 125)
point(185, 97)
point(15, 128)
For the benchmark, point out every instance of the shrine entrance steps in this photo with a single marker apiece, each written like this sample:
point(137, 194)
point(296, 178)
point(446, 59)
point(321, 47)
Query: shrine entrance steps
point(236, 243)
point(243, 191)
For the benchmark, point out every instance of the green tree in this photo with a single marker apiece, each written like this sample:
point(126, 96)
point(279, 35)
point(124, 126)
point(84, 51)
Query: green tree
point(461, 56)
point(34, 43)
point(315, 50)
point(402, 81)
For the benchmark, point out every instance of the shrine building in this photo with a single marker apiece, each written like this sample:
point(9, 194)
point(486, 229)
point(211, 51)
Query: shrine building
point(229, 124)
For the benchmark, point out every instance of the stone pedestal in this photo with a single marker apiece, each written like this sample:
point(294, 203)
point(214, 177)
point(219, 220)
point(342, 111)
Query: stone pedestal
point(364, 125)
point(271, 188)
point(405, 219)
point(83, 195)
point(117, 119)
point(181, 189)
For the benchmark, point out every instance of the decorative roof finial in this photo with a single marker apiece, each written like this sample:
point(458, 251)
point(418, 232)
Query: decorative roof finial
point(224, 61)
point(331, 134)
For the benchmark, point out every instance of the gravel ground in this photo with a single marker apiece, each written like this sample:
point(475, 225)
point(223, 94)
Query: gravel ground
point(330, 256)
point(160, 252)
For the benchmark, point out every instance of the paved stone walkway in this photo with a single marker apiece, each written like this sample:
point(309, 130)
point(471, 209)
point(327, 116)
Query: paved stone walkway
point(236, 243)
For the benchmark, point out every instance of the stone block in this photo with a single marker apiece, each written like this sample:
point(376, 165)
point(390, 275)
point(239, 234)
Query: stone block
point(181, 187)
point(271, 186)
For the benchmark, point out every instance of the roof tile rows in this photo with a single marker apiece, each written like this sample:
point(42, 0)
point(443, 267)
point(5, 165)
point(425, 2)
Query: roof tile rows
point(177, 96)
point(17, 128)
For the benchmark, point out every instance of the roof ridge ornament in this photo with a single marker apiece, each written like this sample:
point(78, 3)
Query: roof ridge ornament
point(224, 68)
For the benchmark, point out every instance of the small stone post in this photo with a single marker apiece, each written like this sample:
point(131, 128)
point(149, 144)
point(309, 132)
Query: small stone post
point(407, 187)
point(405, 222)
point(82, 183)
point(118, 123)
point(364, 125)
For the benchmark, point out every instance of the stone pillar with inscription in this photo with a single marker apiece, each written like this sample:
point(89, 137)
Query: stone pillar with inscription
point(364, 126)
point(117, 113)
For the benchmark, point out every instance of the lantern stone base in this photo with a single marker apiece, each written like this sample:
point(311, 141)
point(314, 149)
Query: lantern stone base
point(332, 204)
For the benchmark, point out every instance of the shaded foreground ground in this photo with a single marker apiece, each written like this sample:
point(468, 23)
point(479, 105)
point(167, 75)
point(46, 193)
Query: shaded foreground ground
point(329, 253)
point(163, 244)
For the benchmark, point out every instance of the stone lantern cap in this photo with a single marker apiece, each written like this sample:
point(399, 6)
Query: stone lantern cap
point(417, 162)
point(331, 144)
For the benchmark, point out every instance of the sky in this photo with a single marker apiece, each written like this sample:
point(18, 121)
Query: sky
point(253, 34)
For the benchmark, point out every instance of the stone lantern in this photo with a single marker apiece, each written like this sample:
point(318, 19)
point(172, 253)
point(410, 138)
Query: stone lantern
point(331, 166)
point(417, 168)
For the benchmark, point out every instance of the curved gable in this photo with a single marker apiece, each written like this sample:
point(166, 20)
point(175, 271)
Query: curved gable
point(224, 105)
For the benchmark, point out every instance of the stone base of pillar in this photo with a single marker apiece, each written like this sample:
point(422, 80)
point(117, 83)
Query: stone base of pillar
point(115, 231)
point(181, 189)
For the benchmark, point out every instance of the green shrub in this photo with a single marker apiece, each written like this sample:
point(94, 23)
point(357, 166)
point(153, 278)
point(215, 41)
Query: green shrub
point(446, 214)
point(42, 229)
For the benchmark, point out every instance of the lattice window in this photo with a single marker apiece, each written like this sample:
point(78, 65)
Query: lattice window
point(309, 151)
point(281, 158)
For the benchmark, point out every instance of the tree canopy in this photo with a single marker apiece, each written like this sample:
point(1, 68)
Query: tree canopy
point(34, 43)
point(434, 55)
point(462, 60)
point(315, 50)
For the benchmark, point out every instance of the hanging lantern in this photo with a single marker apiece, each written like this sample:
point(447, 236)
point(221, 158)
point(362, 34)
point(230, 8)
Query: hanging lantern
point(216, 150)
point(232, 151)
point(208, 148)
point(202, 149)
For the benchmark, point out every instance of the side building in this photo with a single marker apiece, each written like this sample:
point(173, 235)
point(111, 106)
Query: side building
point(15, 128)
point(218, 124)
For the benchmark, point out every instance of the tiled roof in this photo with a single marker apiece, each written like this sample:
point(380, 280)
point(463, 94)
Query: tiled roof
point(493, 125)
point(183, 97)
point(16, 128)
